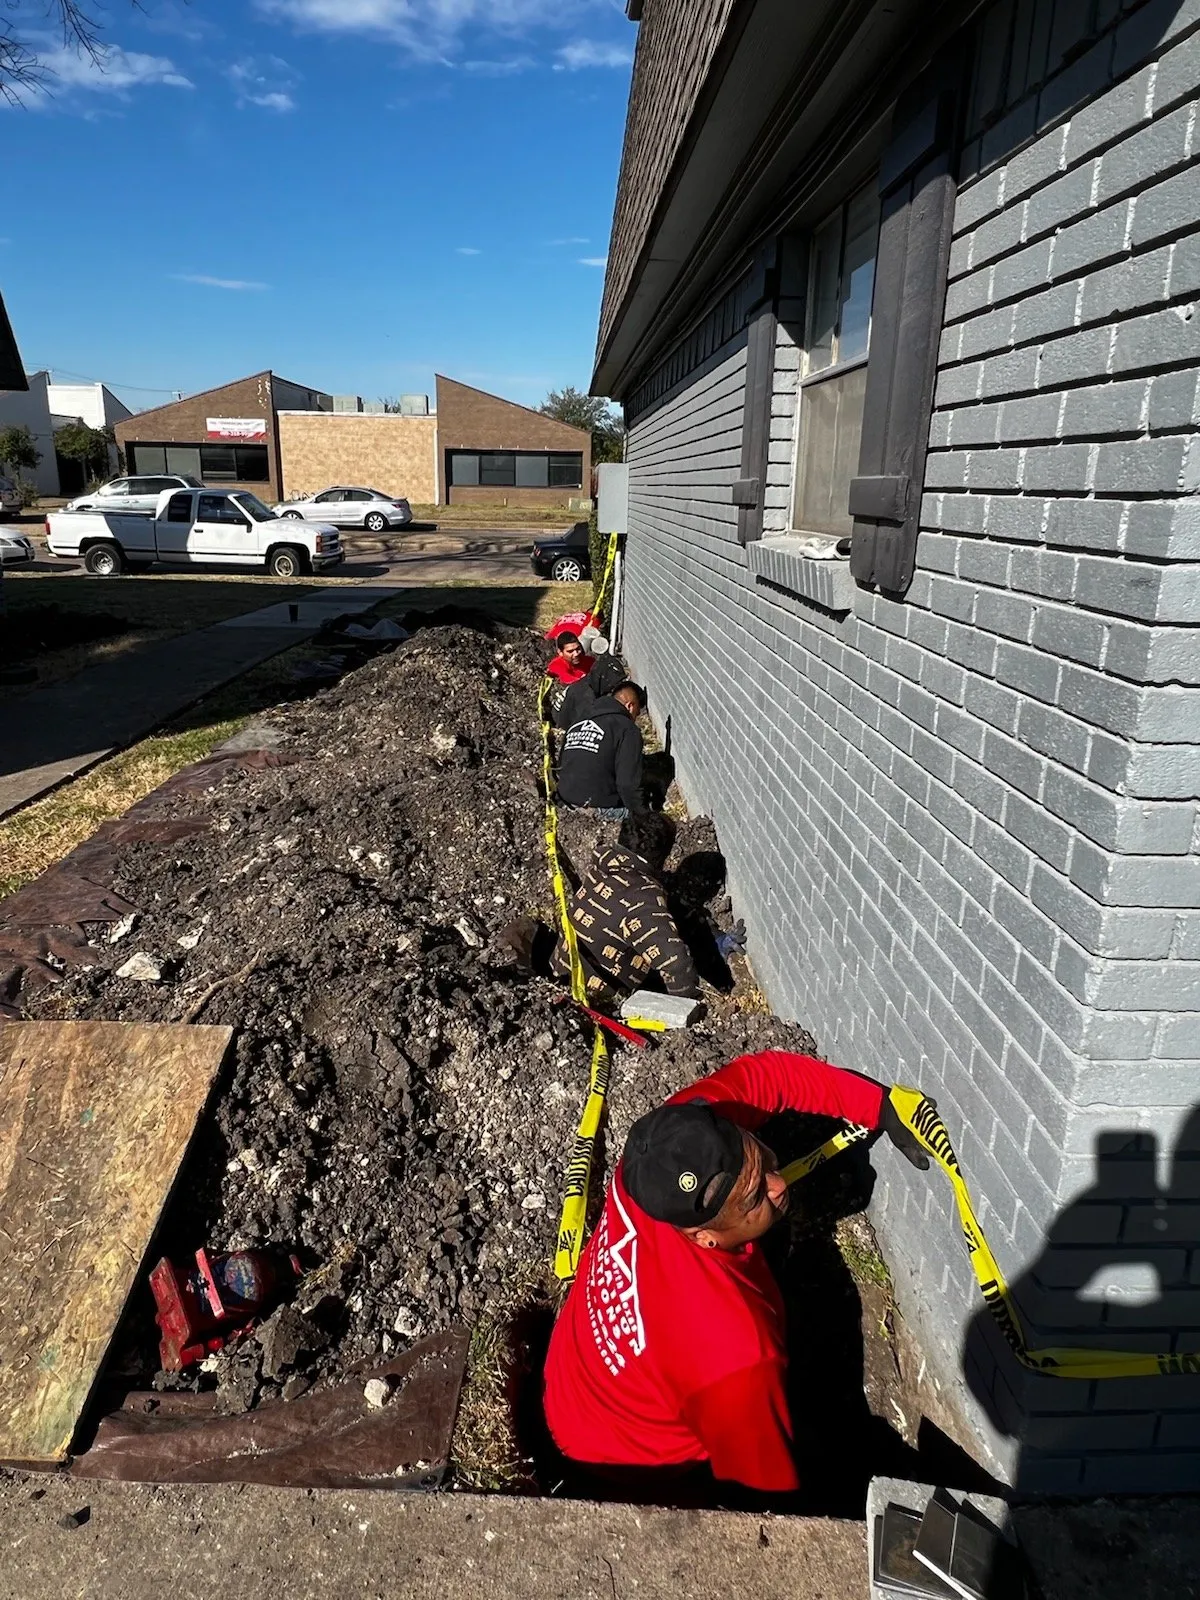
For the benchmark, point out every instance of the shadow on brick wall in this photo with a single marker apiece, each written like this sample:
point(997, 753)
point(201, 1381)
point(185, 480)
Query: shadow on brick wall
point(1120, 1270)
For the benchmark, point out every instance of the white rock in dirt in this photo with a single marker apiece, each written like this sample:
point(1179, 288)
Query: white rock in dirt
point(379, 861)
point(407, 1324)
point(189, 941)
point(142, 967)
point(467, 933)
point(534, 1201)
point(285, 845)
point(543, 1042)
point(119, 930)
point(443, 743)
point(377, 1393)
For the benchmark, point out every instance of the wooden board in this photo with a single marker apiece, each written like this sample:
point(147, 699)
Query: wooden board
point(95, 1118)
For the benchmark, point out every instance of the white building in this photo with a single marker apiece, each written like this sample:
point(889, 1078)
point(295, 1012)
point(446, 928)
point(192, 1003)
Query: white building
point(93, 403)
point(31, 409)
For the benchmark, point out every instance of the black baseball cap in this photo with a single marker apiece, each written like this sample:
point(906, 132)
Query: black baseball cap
point(672, 1156)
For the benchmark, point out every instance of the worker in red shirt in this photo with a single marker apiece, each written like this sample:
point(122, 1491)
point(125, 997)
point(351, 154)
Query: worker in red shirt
point(669, 1352)
point(570, 664)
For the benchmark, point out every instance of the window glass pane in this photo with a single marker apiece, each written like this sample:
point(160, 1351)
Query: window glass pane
point(823, 293)
point(183, 459)
point(328, 497)
point(566, 471)
point(179, 508)
point(217, 461)
point(831, 415)
point(858, 274)
point(149, 458)
point(251, 463)
point(464, 468)
point(533, 472)
point(498, 471)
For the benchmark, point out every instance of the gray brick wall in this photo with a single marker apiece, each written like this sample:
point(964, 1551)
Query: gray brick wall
point(963, 828)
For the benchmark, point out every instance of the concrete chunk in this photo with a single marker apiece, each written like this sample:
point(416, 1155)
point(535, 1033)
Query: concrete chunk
point(672, 1010)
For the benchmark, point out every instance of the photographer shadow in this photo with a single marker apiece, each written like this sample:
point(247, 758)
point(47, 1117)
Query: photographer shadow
point(1117, 1273)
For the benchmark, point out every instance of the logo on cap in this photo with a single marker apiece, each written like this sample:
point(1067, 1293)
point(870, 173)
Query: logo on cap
point(687, 1181)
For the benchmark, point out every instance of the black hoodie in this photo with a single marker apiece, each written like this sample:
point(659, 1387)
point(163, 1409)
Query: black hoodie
point(607, 673)
point(600, 765)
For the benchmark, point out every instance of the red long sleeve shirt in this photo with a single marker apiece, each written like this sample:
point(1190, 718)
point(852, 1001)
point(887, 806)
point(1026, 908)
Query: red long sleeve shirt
point(559, 667)
point(666, 1354)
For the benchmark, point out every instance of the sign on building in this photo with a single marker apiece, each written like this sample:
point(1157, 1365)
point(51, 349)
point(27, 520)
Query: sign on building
point(243, 428)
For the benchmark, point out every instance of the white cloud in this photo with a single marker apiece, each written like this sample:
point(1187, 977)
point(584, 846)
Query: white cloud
point(267, 83)
point(583, 53)
point(112, 71)
point(217, 283)
point(574, 238)
point(506, 68)
point(466, 250)
point(433, 30)
point(593, 261)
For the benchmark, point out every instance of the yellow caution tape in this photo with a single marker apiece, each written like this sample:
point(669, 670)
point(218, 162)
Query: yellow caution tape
point(579, 1168)
point(920, 1115)
point(646, 1024)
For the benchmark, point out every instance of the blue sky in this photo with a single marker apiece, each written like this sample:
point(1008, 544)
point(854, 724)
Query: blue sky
point(354, 192)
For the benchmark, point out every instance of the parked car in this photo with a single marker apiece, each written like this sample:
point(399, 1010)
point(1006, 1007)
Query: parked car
point(351, 508)
point(225, 527)
point(130, 494)
point(563, 556)
point(14, 548)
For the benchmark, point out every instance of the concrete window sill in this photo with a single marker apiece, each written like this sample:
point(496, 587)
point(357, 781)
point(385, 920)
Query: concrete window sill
point(784, 562)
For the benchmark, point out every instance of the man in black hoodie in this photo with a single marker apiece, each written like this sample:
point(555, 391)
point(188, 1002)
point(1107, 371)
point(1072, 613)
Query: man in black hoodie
point(600, 764)
point(606, 675)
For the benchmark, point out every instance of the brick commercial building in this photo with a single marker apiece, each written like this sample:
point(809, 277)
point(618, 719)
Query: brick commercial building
point(378, 450)
point(227, 437)
point(903, 305)
point(491, 451)
point(284, 441)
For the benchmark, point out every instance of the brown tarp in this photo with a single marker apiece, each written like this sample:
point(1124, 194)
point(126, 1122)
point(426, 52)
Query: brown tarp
point(329, 1439)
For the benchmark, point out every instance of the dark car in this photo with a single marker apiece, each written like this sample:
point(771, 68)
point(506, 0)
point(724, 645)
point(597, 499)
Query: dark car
point(563, 556)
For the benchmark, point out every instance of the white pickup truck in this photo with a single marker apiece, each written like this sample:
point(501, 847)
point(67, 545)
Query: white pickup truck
point(224, 527)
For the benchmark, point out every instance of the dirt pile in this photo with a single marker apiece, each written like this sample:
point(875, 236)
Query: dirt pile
point(401, 1102)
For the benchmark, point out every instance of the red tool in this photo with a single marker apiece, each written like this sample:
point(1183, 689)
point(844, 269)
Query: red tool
point(613, 1026)
point(199, 1311)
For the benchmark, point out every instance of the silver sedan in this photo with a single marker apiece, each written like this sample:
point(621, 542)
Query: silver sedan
point(351, 508)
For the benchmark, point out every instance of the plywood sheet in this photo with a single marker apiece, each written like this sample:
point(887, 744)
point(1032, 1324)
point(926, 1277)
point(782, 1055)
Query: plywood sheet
point(95, 1118)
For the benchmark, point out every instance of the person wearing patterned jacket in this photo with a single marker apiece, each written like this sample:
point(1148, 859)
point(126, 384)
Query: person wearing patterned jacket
point(626, 935)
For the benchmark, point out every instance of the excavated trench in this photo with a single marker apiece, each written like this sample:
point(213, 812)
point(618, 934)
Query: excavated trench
point(400, 1100)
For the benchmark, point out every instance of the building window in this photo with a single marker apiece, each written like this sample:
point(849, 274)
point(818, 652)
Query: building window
point(218, 463)
point(841, 279)
point(515, 469)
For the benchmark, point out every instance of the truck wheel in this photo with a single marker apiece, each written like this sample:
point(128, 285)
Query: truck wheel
point(103, 560)
point(285, 561)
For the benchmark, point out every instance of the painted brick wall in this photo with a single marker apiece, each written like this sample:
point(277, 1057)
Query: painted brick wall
point(963, 828)
point(389, 452)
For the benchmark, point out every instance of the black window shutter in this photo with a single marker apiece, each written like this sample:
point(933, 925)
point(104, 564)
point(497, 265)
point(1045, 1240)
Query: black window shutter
point(917, 192)
point(749, 490)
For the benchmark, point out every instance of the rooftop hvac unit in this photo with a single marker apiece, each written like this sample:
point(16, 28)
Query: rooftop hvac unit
point(414, 405)
point(343, 403)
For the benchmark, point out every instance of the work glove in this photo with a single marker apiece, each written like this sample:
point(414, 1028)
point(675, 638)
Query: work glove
point(732, 943)
point(902, 1136)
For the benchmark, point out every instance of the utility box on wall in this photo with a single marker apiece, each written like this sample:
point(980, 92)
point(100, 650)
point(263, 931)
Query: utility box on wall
point(612, 497)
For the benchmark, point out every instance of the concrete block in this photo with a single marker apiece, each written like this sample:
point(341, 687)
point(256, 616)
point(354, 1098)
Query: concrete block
point(1174, 402)
point(672, 1010)
point(1018, 517)
point(1131, 285)
point(993, 704)
point(1009, 614)
point(1015, 372)
point(968, 295)
point(1151, 153)
point(1074, 358)
point(1060, 202)
point(1032, 418)
point(1064, 631)
point(1015, 275)
point(1031, 672)
point(946, 469)
point(1159, 339)
point(1145, 466)
point(985, 332)
point(1179, 1037)
point(1014, 764)
point(1053, 311)
point(958, 384)
point(1104, 408)
point(1092, 242)
point(1048, 731)
point(1034, 166)
point(1109, 117)
point(999, 236)
point(1143, 34)
point(972, 425)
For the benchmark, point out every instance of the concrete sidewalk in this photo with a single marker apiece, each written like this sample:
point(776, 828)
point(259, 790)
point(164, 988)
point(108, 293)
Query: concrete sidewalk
point(206, 1542)
point(54, 733)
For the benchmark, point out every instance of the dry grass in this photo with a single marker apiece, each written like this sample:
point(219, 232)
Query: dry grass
point(485, 1449)
point(531, 605)
point(498, 516)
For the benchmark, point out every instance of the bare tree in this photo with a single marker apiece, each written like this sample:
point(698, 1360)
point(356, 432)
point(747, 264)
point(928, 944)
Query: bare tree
point(21, 67)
